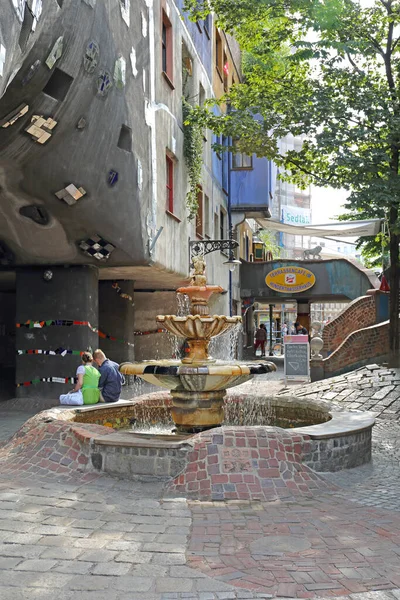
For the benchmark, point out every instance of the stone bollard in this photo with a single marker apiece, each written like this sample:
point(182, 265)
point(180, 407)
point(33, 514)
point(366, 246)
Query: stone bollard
point(316, 362)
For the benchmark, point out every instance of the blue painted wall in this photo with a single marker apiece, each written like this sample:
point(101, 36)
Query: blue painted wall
point(201, 41)
point(254, 187)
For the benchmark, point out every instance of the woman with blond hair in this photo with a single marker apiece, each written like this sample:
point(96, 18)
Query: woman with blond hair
point(86, 390)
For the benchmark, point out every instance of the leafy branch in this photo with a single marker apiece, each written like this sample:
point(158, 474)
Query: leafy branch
point(193, 153)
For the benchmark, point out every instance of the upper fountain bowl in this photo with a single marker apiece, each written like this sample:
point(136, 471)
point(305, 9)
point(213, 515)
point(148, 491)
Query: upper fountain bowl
point(196, 327)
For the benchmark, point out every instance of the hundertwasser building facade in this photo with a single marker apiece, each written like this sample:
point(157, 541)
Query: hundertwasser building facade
point(94, 235)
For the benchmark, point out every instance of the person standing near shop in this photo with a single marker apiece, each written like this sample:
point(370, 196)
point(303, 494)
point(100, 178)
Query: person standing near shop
point(261, 338)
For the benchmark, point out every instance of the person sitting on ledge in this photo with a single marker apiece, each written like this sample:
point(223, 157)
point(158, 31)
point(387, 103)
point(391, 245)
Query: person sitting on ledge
point(111, 380)
point(86, 390)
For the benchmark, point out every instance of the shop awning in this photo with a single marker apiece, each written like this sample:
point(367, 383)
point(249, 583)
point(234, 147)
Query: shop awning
point(334, 229)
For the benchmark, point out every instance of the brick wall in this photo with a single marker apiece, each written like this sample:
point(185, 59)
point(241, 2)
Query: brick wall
point(370, 344)
point(358, 314)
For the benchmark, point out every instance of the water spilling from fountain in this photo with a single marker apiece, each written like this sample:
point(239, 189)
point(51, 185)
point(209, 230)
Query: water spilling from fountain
point(198, 382)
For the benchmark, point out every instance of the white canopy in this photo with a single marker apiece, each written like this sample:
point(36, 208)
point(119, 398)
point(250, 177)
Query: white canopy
point(332, 230)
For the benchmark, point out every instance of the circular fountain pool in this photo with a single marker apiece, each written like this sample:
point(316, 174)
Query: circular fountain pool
point(151, 415)
point(327, 438)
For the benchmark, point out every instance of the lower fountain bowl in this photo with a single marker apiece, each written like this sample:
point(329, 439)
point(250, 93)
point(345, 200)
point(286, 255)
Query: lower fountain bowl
point(200, 377)
point(197, 390)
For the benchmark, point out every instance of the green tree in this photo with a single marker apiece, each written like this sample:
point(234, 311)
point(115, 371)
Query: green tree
point(327, 70)
point(268, 238)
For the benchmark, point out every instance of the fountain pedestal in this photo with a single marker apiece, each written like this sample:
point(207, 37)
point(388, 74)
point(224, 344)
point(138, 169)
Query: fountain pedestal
point(195, 411)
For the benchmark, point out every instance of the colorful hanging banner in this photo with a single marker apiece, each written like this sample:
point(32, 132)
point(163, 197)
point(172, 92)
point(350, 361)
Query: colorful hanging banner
point(121, 293)
point(58, 352)
point(47, 380)
point(66, 323)
point(54, 322)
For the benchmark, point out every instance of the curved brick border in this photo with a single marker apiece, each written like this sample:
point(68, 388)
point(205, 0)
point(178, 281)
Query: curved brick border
point(246, 463)
point(358, 314)
point(360, 347)
point(50, 443)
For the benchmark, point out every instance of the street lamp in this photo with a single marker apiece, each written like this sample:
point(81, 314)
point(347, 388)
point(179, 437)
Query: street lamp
point(232, 262)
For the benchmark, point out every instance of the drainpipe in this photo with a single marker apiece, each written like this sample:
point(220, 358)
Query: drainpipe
point(150, 116)
point(230, 228)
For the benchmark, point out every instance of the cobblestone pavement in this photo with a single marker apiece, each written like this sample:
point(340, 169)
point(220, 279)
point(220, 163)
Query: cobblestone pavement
point(120, 540)
point(368, 388)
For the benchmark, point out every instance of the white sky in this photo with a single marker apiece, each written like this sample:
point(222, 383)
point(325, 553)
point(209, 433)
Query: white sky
point(326, 204)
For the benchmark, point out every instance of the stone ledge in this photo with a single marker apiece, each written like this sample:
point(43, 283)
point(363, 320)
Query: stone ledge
point(342, 423)
point(137, 441)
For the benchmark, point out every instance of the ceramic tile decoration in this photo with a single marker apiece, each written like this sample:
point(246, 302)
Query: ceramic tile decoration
point(104, 83)
point(36, 10)
point(71, 194)
point(120, 73)
point(144, 25)
point(2, 58)
point(40, 128)
point(112, 177)
point(91, 57)
point(31, 72)
point(55, 53)
point(97, 247)
point(14, 115)
point(19, 6)
point(133, 61)
point(125, 10)
point(139, 175)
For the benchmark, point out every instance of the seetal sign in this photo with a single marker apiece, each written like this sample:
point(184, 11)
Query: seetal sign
point(290, 280)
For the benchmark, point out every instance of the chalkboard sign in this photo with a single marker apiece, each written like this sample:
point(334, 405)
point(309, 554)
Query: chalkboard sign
point(297, 360)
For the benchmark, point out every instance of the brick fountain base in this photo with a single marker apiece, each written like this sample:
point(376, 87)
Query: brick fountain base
point(229, 462)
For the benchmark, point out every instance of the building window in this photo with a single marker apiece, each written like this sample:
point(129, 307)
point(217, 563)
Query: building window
point(222, 224)
point(206, 216)
point(166, 44)
point(169, 178)
point(188, 90)
point(125, 138)
point(58, 85)
point(218, 53)
point(202, 95)
point(207, 25)
point(225, 68)
point(225, 165)
point(241, 161)
point(199, 215)
point(216, 226)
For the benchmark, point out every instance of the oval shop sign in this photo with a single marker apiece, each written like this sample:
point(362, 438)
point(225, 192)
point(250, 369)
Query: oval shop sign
point(290, 280)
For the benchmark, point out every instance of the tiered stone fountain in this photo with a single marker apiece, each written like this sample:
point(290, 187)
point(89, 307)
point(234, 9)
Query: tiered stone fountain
point(198, 383)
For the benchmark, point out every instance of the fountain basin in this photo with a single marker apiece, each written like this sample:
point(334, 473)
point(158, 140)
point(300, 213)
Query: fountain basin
point(327, 438)
point(197, 391)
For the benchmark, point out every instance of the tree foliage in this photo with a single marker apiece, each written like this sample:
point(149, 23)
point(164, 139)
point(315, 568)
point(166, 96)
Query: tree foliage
point(268, 238)
point(328, 71)
point(193, 153)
